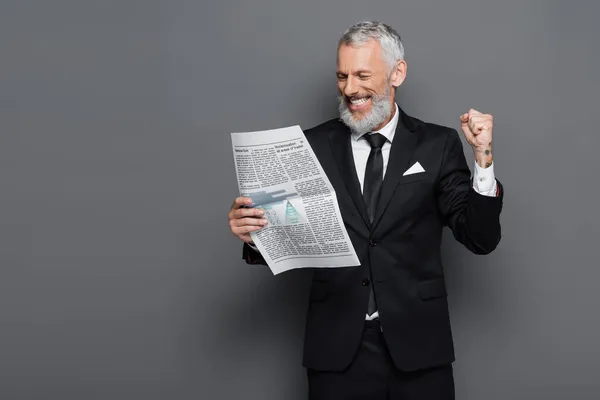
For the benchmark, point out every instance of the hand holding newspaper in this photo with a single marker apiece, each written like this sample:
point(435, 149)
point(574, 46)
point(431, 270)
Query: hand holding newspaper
point(279, 171)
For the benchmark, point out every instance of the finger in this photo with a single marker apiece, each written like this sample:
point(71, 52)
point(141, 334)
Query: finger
point(246, 212)
point(246, 238)
point(248, 222)
point(242, 230)
point(478, 121)
point(479, 127)
point(241, 202)
point(473, 111)
point(483, 117)
point(464, 120)
point(481, 120)
point(468, 134)
point(476, 130)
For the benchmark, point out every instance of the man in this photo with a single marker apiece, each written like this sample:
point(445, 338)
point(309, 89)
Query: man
point(381, 330)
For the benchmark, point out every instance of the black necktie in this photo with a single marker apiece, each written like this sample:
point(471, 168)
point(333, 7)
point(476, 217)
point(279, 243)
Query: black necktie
point(371, 190)
point(373, 173)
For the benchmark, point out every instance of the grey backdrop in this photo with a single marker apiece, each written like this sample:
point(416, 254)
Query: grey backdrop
point(119, 278)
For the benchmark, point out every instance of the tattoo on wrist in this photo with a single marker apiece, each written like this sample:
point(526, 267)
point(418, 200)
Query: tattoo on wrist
point(487, 165)
point(487, 152)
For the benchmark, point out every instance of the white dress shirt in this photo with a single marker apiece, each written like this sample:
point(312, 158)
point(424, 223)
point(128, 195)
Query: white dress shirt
point(484, 180)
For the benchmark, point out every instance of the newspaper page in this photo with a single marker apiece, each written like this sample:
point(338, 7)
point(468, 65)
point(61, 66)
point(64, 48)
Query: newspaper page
point(280, 172)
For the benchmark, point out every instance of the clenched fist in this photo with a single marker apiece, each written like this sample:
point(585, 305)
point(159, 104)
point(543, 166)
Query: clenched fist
point(243, 220)
point(477, 128)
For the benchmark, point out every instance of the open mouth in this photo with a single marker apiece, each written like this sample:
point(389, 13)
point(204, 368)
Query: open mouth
point(358, 103)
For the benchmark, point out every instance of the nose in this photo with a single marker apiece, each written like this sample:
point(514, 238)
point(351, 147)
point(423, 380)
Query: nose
point(350, 89)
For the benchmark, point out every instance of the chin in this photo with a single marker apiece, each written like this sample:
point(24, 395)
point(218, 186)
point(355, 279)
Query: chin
point(360, 115)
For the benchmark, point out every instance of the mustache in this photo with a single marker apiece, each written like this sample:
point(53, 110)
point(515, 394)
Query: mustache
point(359, 96)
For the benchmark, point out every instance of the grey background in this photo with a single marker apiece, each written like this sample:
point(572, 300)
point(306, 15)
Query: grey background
point(119, 278)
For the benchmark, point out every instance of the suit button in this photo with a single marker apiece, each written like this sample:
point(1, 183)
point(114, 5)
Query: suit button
point(365, 282)
point(372, 243)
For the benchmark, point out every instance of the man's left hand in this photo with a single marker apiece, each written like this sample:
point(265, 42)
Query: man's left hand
point(477, 128)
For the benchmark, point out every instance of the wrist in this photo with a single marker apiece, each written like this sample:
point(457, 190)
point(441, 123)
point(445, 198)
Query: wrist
point(483, 157)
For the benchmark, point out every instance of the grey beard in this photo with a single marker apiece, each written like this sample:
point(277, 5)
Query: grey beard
point(380, 111)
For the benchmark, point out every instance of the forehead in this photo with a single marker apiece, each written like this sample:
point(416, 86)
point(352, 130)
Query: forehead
point(366, 56)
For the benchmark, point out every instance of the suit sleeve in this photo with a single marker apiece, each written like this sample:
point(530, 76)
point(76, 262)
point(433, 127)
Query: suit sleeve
point(473, 218)
point(252, 256)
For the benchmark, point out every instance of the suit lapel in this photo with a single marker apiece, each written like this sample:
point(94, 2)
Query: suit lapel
point(405, 141)
point(339, 141)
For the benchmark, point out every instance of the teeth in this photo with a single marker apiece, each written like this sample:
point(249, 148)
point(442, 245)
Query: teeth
point(358, 102)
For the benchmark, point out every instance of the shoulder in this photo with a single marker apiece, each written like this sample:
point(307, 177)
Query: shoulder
point(432, 131)
point(431, 127)
point(324, 130)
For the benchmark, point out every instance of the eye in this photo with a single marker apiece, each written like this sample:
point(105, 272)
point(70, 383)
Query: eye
point(364, 77)
point(342, 77)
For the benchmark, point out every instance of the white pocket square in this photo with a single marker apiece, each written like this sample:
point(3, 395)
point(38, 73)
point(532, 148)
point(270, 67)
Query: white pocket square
point(415, 169)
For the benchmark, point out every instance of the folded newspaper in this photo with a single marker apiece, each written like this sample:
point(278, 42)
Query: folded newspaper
point(279, 171)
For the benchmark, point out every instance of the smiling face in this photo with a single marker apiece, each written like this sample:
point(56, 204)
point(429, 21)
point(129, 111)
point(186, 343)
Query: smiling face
point(367, 86)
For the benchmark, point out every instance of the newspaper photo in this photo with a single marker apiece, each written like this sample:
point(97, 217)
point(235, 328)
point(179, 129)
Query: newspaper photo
point(279, 171)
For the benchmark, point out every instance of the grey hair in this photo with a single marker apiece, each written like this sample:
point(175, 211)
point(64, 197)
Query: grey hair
point(388, 38)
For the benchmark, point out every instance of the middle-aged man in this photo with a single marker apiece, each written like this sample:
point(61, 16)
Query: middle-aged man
point(381, 330)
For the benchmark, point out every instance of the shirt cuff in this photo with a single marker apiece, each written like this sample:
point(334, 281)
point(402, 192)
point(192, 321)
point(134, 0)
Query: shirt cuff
point(253, 247)
point(484, 180)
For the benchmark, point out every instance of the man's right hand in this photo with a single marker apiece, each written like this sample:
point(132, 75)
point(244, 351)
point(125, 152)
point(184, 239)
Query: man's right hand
point(243, 220)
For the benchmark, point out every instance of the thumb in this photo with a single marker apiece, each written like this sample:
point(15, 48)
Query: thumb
point(466, 130)
point(464, 124)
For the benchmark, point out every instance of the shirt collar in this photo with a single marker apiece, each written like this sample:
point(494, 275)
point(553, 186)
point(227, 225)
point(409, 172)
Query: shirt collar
point(389, 130)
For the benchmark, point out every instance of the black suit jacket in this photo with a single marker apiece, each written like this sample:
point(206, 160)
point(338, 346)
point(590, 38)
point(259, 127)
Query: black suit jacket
point(402, 246)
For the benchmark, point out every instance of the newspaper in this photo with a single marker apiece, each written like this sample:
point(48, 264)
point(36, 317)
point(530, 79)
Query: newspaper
point(280, 172)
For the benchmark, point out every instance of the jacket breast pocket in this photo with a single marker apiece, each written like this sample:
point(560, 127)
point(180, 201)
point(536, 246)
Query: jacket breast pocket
point(432, 289)
point(418, 177)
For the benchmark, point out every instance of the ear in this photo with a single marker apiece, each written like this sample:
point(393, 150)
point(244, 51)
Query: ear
point(398, 73)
